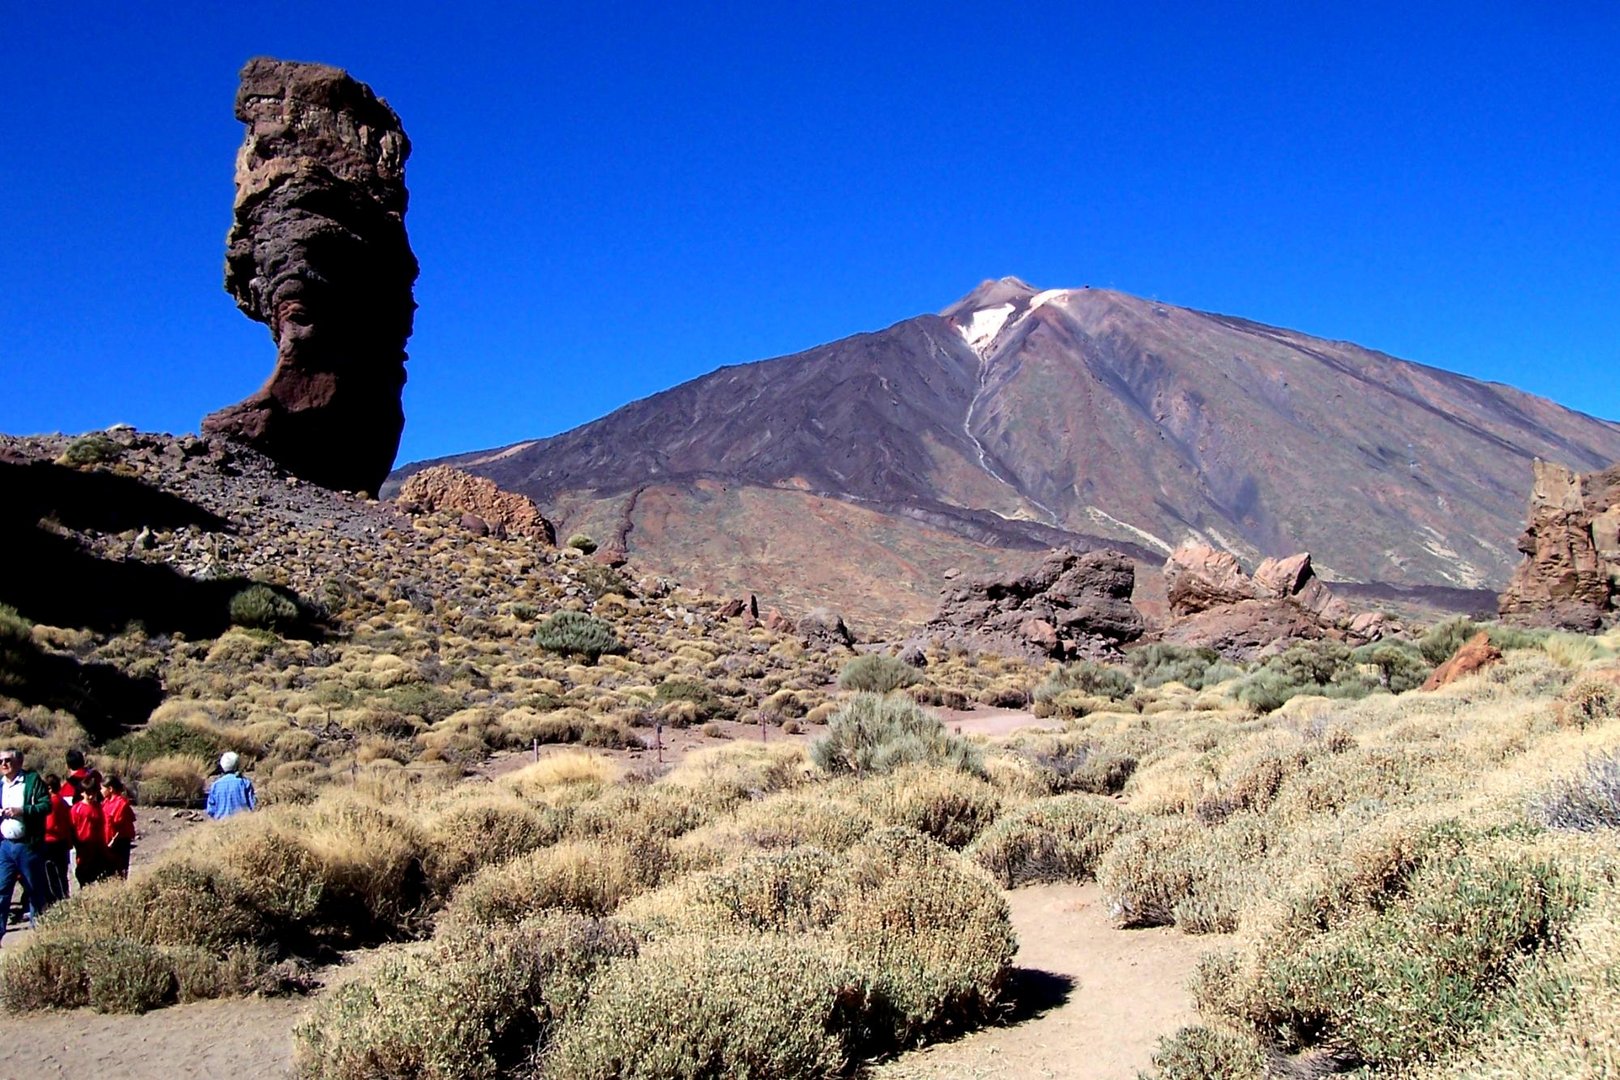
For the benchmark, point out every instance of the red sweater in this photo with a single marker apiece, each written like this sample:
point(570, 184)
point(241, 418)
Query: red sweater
point(119, 818)
point(59, 822)
point(89, 829)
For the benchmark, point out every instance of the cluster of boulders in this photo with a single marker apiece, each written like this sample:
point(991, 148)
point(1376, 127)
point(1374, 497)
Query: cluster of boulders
point(1571, 574)
point(1070, 606)
point(318, 252)
point(1215, 604)
point(484, 509)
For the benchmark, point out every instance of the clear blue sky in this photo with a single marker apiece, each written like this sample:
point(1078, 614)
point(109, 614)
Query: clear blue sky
point(608, 199)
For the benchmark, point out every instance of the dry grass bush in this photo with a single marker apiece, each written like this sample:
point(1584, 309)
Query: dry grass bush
point(952, 807)
point(172, 780)
point(1176, 871)
point(932, 932)
point(589, 876)
point(1064, 764)
point(1061, 838)
point(482, 1004)
point(1590, 702)
point(725, 775)
point(465, 834)
point(1402, 985)
point(877, 674)
point(570, 777)
point(692, 1008)
point(1583, 803)
point(1205, 1053)
point(636, 811)
point(828, 819)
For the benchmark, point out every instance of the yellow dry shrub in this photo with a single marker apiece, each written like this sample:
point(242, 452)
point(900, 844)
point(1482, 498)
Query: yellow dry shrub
point(567, 777)
point(723, 775)
point(948, 805)
point(589, 876)
point(173, 779)
point(787, 819)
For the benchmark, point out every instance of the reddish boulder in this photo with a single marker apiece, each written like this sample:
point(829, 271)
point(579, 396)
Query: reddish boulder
point(503, 513)
point(318, 252)
point(1570, 577)
point(1476, 654)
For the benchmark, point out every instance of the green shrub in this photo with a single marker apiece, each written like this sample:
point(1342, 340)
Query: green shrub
point(1308, 667)
point(1064, 765)
point(1443, 639)
point(431, 703)
point(1195, 668)
point(1089, 678)
point(96, 448)
point(691, 1009)
point(1400, 664)
point(706, 704)
point(1407, 984)
point(130, 977)
point(575, 633)
point(166, 738)
point(793, 891)
point(1202, 1053)
point(877, 674)
point(478, 1007)
point(260, 607)
point(877, 733)
point(582, 543)
point(1054, 839)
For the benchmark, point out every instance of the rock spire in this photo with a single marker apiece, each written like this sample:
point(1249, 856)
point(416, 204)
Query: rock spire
point(317, 251)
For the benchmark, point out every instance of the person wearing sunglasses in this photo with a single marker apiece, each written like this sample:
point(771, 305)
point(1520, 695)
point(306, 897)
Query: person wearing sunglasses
point(25, 802)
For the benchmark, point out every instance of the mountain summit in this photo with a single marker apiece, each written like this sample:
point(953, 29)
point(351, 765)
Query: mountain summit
point(853, 473)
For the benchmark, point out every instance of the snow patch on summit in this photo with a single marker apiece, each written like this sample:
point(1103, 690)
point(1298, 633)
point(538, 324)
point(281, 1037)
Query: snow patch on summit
point(983, 326)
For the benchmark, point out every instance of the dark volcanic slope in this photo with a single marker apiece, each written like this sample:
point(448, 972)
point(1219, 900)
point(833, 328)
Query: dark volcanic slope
point(1019, 417)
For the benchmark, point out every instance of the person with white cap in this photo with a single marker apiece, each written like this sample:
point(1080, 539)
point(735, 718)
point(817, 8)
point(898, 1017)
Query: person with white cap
point(231, 793)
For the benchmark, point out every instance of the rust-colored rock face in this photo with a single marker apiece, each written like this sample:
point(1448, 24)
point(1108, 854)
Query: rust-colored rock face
point(1570, 577)
point(499, 512)
point(317, 251)
point(1476, 654)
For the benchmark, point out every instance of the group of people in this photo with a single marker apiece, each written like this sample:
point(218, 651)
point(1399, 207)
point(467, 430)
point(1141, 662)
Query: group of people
point(48, 822)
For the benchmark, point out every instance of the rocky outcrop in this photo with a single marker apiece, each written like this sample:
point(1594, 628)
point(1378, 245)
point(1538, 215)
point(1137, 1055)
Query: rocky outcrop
point(317, 251)
point(1216, 605)
point(1475, 654)
point(1071, 605)
point(491, 510)
point(1570, 577)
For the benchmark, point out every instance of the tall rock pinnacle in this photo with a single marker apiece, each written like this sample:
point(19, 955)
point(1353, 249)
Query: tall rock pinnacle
point(318, 252)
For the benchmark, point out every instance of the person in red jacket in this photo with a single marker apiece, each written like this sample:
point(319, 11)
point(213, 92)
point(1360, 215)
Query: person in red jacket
point(119, 819)
point(89, 831)
point(58, 836)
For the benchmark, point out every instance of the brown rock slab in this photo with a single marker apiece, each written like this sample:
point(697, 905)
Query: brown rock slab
point(1476, 654)
point(1198, 577)
point(317, 251)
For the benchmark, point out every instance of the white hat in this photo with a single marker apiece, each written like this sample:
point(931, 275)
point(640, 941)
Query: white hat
point(228, 760)
point(13, 829)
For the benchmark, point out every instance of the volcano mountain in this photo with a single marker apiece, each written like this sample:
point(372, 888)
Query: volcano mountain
point(856, 473)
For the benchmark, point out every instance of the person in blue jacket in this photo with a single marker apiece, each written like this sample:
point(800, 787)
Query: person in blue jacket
point(231, 793)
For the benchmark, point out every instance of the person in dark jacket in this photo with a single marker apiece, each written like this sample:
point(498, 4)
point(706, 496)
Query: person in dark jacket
point(25, 803)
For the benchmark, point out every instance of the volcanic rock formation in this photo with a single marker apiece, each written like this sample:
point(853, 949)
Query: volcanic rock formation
point(1216, 605)
point(1071, 605)
point(1570, 577)
point(318, 252)
point(501, 513)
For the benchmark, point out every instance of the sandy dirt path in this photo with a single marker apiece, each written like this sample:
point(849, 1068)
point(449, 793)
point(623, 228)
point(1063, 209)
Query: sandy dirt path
point(1093, 1003)
point(1094, 1000)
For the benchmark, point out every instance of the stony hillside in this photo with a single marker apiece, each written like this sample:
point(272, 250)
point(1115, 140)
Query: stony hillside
point(1020, 418)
